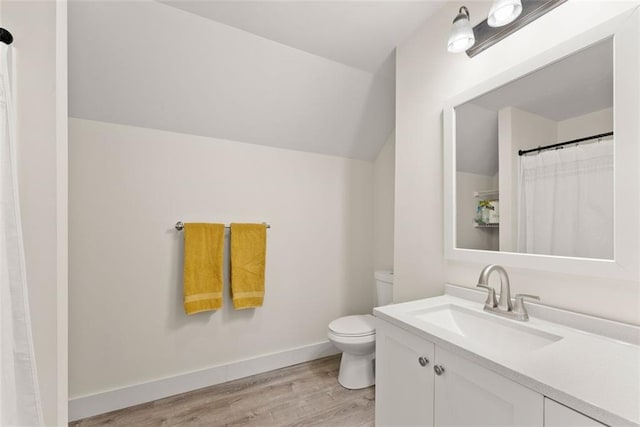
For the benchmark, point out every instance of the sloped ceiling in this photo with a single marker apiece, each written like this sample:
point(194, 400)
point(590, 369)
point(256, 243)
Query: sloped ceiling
point(574, 86)
point(361, 34)
point(308, 76)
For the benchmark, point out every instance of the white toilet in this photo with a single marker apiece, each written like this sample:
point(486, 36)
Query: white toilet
point(355, 336)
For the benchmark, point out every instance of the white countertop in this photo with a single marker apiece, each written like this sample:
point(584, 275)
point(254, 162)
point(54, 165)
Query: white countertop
point(592, 373)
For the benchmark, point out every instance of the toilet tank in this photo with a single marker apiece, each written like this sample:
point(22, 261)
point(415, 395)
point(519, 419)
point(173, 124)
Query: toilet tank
point(384, 287)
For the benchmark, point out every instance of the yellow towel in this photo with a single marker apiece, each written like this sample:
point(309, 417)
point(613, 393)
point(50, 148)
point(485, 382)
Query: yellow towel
point(203, 252)
point(248, 253)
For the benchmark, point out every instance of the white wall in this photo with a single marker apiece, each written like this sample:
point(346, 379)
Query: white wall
point(41, 140)
point(476, 139)
point(383, 203)
point(129, 186)
point(427, 75)
point(590, 124)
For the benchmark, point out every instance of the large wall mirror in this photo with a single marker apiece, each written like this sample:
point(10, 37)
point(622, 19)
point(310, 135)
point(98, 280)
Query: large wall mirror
point(538, 161)
point(558, 198)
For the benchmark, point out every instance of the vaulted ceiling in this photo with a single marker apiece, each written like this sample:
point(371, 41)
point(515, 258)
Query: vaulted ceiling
point(314, 76)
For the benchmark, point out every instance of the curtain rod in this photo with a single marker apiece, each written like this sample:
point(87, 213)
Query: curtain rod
point(180, 225)
point(560, 144)
point(5, 36)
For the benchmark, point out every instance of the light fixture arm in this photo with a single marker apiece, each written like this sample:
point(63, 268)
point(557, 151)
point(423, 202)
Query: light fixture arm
point(463, 13)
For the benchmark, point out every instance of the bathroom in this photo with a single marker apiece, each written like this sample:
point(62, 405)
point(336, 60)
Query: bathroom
point(99, 201)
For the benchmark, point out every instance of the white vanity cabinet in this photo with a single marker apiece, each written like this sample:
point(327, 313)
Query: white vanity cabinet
point(467, 394)
point(487, 370)
point(557, 415)
point(404, 378)
point(409, 394)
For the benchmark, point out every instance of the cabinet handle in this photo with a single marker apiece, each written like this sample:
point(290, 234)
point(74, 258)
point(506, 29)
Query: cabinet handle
point(423, 361)
point(439, 369)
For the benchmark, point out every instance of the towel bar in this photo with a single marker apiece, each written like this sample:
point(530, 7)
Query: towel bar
point(180, 225)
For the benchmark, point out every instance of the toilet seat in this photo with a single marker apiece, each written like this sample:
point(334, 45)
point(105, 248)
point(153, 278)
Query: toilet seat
point(353, 326)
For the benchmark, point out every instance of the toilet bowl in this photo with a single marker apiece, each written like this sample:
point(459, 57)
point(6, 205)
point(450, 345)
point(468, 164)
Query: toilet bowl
point(355, 336)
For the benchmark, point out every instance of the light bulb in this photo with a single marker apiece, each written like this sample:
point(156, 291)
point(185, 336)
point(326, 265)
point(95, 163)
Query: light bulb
point(504, 12)
point(459, 45)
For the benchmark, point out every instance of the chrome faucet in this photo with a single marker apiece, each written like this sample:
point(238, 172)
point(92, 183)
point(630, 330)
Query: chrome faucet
point(503, 307)
point(505, 289)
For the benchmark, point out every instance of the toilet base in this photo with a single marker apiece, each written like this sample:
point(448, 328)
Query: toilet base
point(356, 371)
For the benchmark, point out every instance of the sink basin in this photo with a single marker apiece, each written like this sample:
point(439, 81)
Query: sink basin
point(486, 329)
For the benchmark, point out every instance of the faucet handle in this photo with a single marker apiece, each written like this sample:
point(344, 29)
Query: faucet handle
point(519, 307)
point(521, 297)
point(491, 301)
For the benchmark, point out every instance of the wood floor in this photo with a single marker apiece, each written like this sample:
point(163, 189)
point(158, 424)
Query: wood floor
point(302, 395)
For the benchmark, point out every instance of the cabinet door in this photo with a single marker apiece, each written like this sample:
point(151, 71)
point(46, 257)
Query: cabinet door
point(557, 415)
point(469, 395)
point(404, 387)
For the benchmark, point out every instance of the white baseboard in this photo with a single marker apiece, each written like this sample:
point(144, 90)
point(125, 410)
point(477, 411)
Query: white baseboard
point(100, 403)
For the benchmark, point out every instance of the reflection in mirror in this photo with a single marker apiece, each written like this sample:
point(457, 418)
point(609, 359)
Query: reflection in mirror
point(549, 201)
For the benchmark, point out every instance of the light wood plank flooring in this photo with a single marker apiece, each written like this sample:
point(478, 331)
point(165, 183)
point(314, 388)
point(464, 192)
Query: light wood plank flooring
point(302, 395)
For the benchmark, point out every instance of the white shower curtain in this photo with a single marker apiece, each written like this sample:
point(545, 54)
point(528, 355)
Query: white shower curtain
point(566, 202)
point(19, 394)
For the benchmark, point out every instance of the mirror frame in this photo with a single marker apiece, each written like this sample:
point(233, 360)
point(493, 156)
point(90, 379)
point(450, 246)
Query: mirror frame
point(624, 29)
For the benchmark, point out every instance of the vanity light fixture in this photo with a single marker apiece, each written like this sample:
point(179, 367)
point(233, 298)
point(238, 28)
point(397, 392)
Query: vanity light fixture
point(505, 18)
point(462, 37)
point(504, 12)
